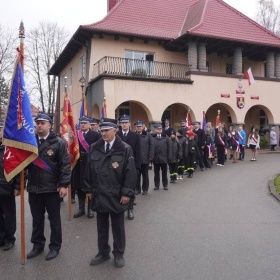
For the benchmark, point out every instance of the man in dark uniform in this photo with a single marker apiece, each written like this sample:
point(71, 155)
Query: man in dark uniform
point(161, 157)
point(8, 191)
point(94, 125)
point(184, 127)
point(200, 141)
point(110, 177)
point(133, 140)
point(147, 153)
point(86, 137)
point(167, 128)
point(49, 176)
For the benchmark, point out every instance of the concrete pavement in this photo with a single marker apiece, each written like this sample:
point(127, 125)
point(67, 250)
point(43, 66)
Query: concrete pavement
point(221, 224)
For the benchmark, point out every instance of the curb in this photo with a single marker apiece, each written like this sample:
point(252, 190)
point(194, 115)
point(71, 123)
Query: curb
point(272, 189)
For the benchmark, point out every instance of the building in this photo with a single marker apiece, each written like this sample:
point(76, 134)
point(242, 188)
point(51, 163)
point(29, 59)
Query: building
point(160, 59)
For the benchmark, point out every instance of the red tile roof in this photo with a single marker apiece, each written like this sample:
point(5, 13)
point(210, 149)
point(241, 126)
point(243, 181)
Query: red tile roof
point(168, 19)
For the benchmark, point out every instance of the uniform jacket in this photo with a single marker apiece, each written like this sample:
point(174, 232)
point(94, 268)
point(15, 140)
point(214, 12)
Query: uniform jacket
point(200, 137)
point(110, 176)
point(167, 131)
point(175, 150)
point(147, 147)
point(53, 152)
point(162, 149)
point(133, 140)
point(7, 188)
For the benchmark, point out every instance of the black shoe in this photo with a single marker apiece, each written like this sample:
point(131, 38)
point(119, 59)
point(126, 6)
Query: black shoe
point(8, 246)
point(165, 188)
point(156, 188)
point(137, 192)
point(52, 254)
point(191, 175)
point(144, 192)
point(80, 213)
point(130, 215)
point(90, 214)
point(134, 203)
point(119, 262)
point(34, 253)
point(98, 259)
point(203, 168)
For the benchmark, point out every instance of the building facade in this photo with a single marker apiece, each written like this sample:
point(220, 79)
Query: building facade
point(155, 62)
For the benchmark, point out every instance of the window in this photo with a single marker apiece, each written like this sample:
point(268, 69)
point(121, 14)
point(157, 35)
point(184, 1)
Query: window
point(140, 63)
point(263, 119)
point(62, 83)
point(81, 67)
point(229, 69)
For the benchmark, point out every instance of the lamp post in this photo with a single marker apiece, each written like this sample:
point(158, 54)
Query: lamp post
point(82, 81)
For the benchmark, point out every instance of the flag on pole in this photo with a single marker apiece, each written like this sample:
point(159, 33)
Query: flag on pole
point(83, 110)
point(19, 133)
point(203, 121)
point(104, 109)
point(69, 133)
point(188, 120)
point(249, 76)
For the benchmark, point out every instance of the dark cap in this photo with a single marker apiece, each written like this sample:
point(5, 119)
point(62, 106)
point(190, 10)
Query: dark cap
point(139, 123)
point(173, 132)
point(1, 123)
point(158, 126)
point(196, 123)
point(125, 118)
point(183, 121)
point(167, 121)
point(94, 121)
point(43, 117)
point(107, 123)
point(84, 119)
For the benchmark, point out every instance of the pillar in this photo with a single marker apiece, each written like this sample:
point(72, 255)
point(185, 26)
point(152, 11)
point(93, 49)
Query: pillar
point(237, 61)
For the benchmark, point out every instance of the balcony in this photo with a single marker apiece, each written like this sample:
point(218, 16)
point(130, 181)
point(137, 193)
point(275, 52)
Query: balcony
point(141, 70)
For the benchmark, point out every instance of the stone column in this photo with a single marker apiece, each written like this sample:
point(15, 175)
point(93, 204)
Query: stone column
point(237, 61)
point(192, 56)
point(270, 65)
point(277, 65)
point(202, 57)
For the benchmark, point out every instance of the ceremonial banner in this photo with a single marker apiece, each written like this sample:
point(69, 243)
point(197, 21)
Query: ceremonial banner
point(218, 120)
point(103, 111)
point(203, 121)
point(249, 76)
point(188, 120)
point(19, 133)
point(69, 133)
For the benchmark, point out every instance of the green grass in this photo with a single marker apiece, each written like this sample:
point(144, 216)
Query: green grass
point(277, 184)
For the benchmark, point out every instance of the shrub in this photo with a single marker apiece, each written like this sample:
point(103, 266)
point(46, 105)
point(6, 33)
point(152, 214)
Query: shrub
point(263, 142)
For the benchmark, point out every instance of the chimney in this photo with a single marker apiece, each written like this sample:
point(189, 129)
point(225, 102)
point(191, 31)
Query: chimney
point(111, 4)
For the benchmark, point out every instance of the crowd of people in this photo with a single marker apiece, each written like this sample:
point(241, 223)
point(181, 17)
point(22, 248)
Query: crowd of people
point(113, 168)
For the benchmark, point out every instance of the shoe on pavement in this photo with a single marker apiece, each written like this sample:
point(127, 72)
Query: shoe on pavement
point(130, 215)
point(156, 188)
point(119, 262)
point(52, 254)
point(144, 192)
point(8, 246)
point(165, 188)
point(98, 259)
point(34, 253)
point(90, 214)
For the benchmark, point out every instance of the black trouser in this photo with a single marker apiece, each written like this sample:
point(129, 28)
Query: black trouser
point(163, 167)
point(118, 231)
point(242, 151)
point(200, 157)
point(181, 166)
point(190, 163)
point(221, 154)
point(173, 170)
point(8, 222)
point(39, 203)
point(206, 159)
point(144, 172)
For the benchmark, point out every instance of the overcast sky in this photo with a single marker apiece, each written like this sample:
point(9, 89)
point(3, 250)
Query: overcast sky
point(71, 14)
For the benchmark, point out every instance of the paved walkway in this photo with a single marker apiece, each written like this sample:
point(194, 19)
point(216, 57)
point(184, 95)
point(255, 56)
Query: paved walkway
point(223, 224)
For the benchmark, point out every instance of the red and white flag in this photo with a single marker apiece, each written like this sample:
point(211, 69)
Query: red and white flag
point(249, 76)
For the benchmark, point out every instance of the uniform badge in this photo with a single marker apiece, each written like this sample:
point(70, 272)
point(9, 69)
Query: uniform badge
point(115, 164)
point(50, 152)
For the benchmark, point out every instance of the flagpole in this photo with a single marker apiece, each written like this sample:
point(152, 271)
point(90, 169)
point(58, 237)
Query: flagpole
point(22, 220)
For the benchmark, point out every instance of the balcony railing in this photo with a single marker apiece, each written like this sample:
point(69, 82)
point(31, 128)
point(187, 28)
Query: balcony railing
point(137, 68)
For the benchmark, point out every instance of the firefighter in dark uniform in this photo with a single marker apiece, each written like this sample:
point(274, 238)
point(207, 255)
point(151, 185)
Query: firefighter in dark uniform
point(49, 176)
point(192, 153)
point(200, 140)
point(133, 140)
point(8, 191)
point(111, 178)
point(147, 153)
point(161, 157)
point(167, 128)
point(184, 127)
point(86, 137)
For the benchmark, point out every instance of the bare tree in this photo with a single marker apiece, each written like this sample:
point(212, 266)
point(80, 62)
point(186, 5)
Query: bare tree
point(43, 46)
point(268, 15)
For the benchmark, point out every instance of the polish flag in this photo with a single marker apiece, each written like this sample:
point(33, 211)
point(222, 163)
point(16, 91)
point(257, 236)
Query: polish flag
point(249, 75)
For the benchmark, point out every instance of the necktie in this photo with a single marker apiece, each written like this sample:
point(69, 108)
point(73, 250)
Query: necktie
point(159, 136)
point(41, 141)
point(124, 135)
point(107, 148)
point(84, 134)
